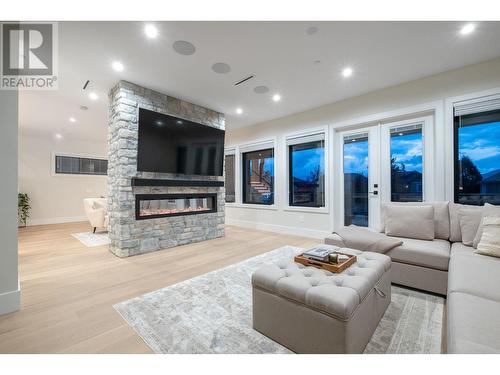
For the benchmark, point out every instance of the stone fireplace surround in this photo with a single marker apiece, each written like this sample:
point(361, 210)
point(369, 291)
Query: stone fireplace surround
point(129, 236)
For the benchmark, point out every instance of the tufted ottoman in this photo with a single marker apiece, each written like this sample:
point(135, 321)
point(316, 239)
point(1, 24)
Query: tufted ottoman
point(309, 310)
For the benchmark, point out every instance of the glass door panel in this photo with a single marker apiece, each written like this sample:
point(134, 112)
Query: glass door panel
point(355, 166)
point(406, 164)
point(407, 155)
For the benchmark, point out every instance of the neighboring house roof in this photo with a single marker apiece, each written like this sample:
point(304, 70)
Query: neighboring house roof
point(491, 177)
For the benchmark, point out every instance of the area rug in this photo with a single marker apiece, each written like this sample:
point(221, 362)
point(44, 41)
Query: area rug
point(90, 239)
point(212, 313)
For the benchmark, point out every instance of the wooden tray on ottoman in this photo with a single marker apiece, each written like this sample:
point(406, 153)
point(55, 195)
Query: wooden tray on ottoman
point(336, 268)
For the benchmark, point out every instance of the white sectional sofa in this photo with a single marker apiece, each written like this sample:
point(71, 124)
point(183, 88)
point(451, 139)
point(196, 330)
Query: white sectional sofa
point(447, 266)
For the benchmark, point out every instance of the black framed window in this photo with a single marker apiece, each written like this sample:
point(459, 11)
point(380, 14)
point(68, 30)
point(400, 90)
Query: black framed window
point(230, 178)
point(407, 164)
point(80, 165)
point(306, 164)
point(477, 158)
point(258, 176)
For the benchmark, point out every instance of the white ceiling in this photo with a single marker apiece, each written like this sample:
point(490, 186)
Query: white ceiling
point(281, 55)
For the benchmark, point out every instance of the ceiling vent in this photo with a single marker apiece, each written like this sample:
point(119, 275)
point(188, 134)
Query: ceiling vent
point(244, 80)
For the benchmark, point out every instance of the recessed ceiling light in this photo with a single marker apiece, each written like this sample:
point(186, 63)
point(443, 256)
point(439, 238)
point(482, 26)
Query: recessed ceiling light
point(151, 31)
point(276, 97)
point(221, 68)
point(84, 107)
point(179, 122)
point(58, 136)
point(183, 47)
point(72, 119)
point(239, 111)
point(347, 72)
point(93, 96)
point(467, 29)
point(118, 66)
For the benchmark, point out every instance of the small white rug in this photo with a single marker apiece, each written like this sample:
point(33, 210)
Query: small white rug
point(212, 313)
point(90, 239)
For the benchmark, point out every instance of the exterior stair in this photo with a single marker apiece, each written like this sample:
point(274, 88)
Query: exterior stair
point(260, 187)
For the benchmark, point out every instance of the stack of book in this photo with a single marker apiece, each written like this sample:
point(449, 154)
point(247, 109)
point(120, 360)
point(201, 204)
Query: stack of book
point(319, 254)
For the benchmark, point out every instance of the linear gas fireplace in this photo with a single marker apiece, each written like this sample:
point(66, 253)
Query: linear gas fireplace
point(153, 206)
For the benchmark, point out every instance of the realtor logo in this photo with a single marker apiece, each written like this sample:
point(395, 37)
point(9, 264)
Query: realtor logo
point(29, 53)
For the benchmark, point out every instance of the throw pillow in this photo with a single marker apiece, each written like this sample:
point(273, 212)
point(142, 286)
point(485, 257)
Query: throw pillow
point(455, 233)
point(410, 222)
point(441, 216)
point(488, 211)
point(490, 239)
point(469, 224)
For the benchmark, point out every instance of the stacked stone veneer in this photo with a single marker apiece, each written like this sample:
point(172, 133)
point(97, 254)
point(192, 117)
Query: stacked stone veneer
point(130, 236)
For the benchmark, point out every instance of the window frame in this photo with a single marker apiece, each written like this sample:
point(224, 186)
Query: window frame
point(298, 138)
point(74, 155)
point(455, 154)
point(243, 176)
point(231, 152)
point(239, 150)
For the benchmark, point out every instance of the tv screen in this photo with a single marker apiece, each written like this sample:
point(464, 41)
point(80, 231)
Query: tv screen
point(170, 144)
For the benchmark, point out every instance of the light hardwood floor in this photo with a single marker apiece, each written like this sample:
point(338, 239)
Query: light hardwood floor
point(68, 290)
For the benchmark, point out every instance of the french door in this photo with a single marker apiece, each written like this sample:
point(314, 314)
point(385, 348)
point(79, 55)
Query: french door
point(359, 177)
point(387, 162)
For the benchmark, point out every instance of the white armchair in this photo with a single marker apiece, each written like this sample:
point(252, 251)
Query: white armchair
point(96, 210)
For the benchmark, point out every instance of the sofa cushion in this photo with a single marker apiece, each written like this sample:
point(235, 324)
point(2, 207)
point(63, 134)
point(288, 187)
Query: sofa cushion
point(488, 210)
point(432, 254)
point(474, 274)
point(473, 324)
point(362, 238)
point(458, 248)
point(335, 240)
point(455, 233)
point(441, 216)
point(469, 223)
point(400, 221)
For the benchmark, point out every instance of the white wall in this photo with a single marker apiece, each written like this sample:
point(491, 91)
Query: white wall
point(9, 285)
point(56, 198)
point(434, 89)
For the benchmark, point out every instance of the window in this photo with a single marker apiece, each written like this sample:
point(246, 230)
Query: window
point(258, 177)
point(477, 157)
point(230, 179)
point(307, 174)
point(356, 180)
point(406, 164)
point(80, 165)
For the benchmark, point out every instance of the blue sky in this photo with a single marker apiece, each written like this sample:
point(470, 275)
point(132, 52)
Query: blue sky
point(407, 149)
point(268, 165)
point(482, 144)
point(306, 161)
point(356, 157)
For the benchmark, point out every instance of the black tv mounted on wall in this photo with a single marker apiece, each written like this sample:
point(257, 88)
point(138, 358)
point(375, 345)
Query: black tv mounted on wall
point(169, 144)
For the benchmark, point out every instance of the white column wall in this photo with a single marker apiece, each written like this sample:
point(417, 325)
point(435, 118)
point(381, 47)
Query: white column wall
point(9, 285)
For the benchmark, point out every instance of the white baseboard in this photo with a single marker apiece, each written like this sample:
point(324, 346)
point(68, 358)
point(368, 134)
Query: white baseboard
point(283, 229)
point(10, 301)
point(56, 220)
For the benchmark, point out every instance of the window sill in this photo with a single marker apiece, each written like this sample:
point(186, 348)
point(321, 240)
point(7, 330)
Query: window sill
point(253, 206)
point(78, 175)
point(315, 210)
